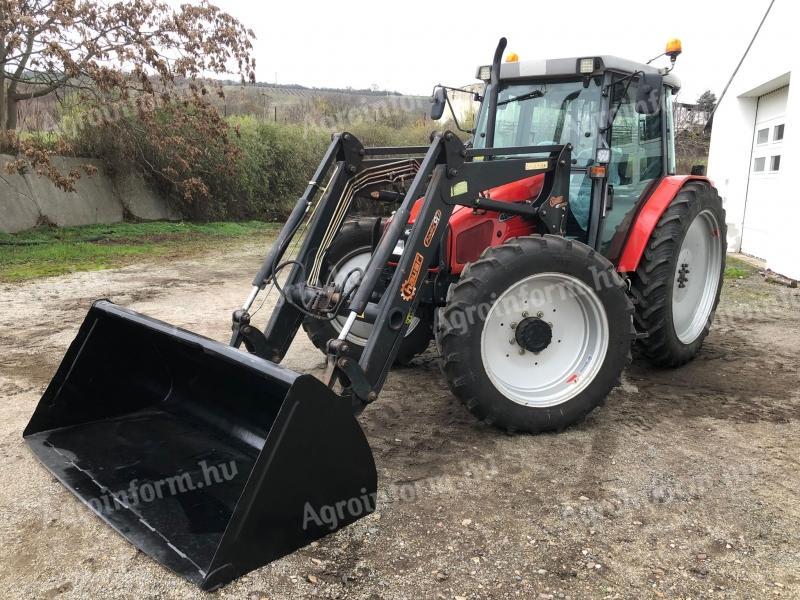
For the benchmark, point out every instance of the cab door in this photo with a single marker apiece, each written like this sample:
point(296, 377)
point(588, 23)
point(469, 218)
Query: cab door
point(637, 163)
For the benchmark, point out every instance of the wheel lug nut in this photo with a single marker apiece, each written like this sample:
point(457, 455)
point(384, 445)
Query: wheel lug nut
point(512, 341)
point(513, 326)
point(525, 315)
point(540, 314)
point(522, 351)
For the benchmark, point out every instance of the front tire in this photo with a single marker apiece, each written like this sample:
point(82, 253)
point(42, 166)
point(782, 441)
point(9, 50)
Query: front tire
point(536, 333)
point(679, 279)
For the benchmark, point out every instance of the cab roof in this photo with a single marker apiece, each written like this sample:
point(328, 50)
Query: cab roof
point(567, 67)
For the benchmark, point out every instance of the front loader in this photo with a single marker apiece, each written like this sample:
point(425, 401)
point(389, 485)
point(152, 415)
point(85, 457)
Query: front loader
point(536, 255)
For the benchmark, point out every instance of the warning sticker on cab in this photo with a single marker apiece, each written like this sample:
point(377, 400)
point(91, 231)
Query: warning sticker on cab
point(462, 187)
point(535, 166)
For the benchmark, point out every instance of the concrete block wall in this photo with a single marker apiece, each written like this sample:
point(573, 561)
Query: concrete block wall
point(26, 200)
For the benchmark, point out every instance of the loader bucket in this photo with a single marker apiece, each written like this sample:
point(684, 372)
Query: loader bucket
point(210, 460)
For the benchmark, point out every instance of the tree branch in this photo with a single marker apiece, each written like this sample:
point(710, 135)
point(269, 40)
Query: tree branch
point(22, 63)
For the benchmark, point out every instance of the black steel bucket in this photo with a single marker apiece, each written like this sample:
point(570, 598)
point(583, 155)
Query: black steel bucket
point(210, 460)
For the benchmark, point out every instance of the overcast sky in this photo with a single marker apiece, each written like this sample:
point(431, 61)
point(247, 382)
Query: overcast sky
point(411, 45)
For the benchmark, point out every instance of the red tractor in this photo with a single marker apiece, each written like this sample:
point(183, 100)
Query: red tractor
point(636, 253)
point(536, 255)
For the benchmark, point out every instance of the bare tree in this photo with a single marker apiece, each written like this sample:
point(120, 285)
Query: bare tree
point(706, 103)
point(131, 50)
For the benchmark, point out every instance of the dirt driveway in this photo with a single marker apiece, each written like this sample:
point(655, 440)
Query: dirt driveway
point(686, 484)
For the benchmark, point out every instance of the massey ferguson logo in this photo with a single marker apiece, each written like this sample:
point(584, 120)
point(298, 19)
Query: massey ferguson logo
point(437, 216)
point(409, 287)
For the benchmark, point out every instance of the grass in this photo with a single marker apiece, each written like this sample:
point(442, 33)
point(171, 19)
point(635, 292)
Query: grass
point(51, 251)
point(738, 269)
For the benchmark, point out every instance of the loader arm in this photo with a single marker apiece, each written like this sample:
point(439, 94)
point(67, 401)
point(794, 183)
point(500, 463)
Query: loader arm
point(446, 176)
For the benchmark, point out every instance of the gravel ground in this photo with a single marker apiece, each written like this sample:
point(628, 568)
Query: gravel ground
point(684, 485)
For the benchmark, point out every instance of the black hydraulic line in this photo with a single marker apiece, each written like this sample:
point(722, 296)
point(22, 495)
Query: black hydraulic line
point(512, 150)
point(392, 150)
point(338, 308)
point(267, 270)
point(393, 232)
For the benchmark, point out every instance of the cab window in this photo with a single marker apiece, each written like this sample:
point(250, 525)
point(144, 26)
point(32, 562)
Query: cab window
point(546, 113)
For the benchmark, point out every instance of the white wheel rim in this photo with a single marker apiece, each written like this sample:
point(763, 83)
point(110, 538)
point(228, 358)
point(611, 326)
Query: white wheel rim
point(696, 278)
point(360, 331)
point(576, 351)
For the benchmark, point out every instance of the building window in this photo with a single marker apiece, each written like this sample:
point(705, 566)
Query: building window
point(777, 133)
point(775, 163)
point(758, 166)
point(763, 136)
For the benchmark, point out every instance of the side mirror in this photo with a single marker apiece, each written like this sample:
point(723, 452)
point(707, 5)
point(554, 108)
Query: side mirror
point(648, 94)
point(698, 170)
point(439, 101)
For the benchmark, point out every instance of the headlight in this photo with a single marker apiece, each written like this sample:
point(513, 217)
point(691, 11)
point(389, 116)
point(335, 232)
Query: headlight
point(586, 66)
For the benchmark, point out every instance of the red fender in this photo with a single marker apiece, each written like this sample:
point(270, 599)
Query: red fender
point(648, 218)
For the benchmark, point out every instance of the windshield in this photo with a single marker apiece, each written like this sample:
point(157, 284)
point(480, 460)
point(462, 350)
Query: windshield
point(542, 113)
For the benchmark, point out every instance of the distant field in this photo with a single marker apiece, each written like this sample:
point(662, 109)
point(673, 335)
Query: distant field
point(51, 251)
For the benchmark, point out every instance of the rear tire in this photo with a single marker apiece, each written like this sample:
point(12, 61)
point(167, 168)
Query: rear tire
point(352, 248)
point(561, 303)
point(679, 279)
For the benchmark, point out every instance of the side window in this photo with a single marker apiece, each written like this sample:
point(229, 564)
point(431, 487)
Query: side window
point(636, 158)
point(507, 125)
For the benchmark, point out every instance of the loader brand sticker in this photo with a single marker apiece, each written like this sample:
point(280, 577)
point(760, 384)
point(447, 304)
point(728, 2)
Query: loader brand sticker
point(409, 287)
point(505, 217)
point(535, 166)
point(556, 201)
point(462, 187)
point(437, 216)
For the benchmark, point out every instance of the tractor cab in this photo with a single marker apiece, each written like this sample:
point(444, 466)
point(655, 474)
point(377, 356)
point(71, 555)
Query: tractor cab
point(615, 113)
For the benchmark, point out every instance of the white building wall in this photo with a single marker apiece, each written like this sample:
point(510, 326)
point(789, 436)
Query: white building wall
point(767, 67)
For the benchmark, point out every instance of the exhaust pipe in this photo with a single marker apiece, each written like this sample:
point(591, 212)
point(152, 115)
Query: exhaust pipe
point(494, 92)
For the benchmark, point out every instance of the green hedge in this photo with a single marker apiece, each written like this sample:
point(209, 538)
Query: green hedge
point(275, 163)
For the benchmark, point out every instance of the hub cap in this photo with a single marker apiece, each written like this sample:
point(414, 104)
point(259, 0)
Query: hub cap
point(359, 332)
point(696, 278)
point(544, 339)
point(533, 334)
